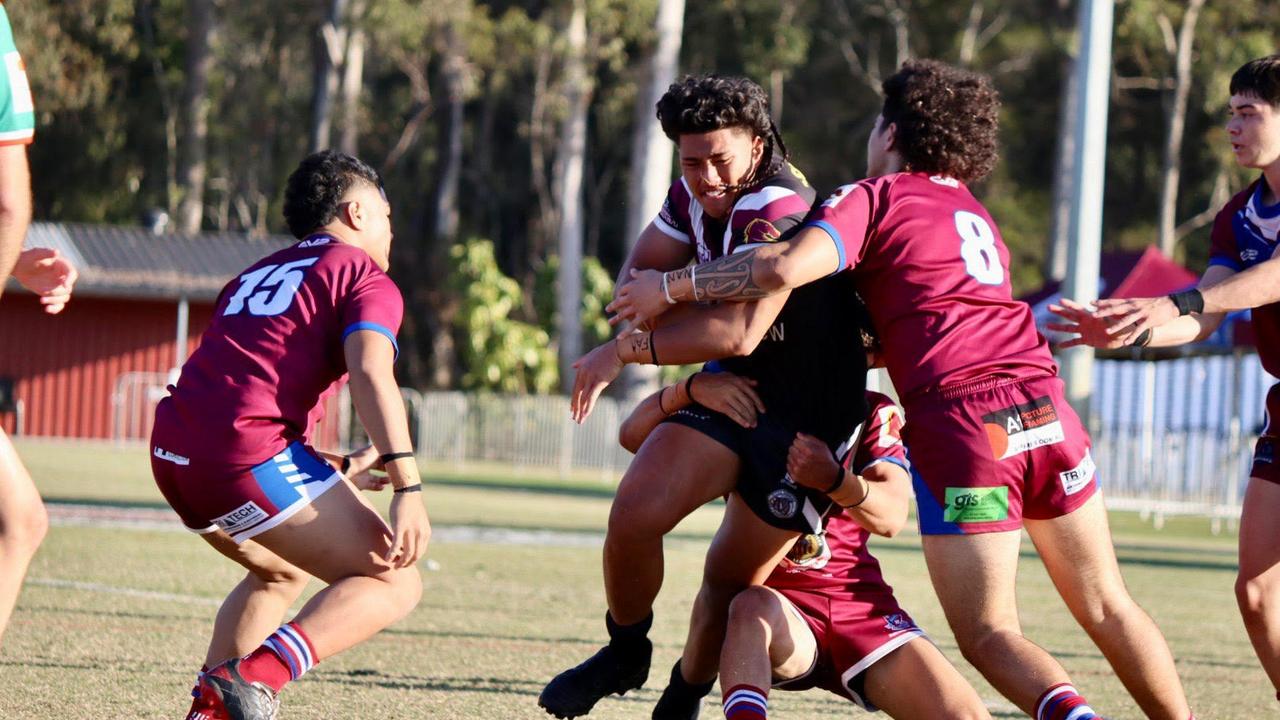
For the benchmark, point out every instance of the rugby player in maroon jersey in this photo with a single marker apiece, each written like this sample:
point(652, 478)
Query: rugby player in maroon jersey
point(230, 452)
point(994, 446)
point(1243, 273)
point(736, 189)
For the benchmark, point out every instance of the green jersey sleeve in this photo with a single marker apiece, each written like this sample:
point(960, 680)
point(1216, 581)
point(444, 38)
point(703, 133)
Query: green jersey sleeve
point(17, 111)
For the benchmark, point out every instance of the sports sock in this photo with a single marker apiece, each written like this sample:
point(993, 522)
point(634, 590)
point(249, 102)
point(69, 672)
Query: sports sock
point(746, 702)
point(195, 690)
point(284, 657)
point(626, 637)
point(1062, 702)
point(684, 688)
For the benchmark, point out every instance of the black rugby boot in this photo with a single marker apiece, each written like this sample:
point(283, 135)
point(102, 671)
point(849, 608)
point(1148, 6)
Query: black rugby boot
point(681, 700)
point(620, 666)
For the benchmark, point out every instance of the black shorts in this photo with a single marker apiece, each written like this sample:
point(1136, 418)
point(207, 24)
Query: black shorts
point(763, 482)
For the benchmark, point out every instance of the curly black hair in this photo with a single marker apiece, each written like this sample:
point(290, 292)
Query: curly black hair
point(316, 188)
point(1259, 77)
point(703, 103)
point(947, 119)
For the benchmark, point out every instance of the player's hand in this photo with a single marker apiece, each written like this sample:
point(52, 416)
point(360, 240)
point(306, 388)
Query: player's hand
point(410, 530)
point(731, 395)
point(1127, 319)
point(1079, 320)
point(639, 300)
point(594, 372)
point(367, 480)
point(47, 273)
point(810, 462)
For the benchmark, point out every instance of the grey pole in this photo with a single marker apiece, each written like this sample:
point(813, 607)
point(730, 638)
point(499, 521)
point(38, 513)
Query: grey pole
point(1093, 75)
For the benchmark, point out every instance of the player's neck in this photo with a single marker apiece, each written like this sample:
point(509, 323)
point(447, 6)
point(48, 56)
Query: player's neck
point(338, 232)
point(1271, 189)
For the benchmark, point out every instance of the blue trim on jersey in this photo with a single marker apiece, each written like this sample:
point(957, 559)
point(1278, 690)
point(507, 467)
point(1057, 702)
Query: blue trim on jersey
point(712, 366)
point(835, 238)
point(1264, 211)
point(381, 329)
point(1225, 262)
point(891, 460)
point(928, 512)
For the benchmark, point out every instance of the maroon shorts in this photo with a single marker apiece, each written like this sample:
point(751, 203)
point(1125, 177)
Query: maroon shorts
point(853, 631)
point(241, 499)
point(1264, 452)
point(985, 455)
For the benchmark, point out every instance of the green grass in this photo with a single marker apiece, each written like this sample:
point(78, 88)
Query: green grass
point(497, 621)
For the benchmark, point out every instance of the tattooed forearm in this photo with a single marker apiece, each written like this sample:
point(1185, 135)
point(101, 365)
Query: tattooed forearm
point(729, 278)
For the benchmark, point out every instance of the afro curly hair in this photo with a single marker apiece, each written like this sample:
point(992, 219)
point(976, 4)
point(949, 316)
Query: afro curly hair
point(947, 119)
point(316, 188)
point(704, 103)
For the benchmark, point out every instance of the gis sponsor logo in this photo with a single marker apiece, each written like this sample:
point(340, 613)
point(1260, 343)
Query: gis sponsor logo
point(984, 504)
point(1078, 477)
point(1265, 451)
point(242, 517)
point(174, 458)
point(1017, 429)
point(897, 622)
point(783, 504)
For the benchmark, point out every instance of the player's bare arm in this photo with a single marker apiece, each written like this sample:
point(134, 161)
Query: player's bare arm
point(877, 499)
point(49, 274)
point(810, 255)
point(724, 392)
point(654, 250)
point(15, 205)
point(711, 333)
point(376, 398)
point(1119, 322)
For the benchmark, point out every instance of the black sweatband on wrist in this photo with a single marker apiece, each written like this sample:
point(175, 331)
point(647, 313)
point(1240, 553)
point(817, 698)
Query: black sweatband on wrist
point(409, 488)
point(653, 347)
point(388, 457)
point(1188, 301)
point(838, 481)
point(346, 464)
point(660, 394)
point(688, 387)
point(1143, 339)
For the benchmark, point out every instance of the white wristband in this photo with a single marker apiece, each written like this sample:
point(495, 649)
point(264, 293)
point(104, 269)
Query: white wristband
point(666, 290)
point(693, 281)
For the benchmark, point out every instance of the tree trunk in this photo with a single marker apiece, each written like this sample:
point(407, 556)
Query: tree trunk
point(328, 43)
point(453, 72)
point(1063, 170)
point(1176, 112)
point(651, 159)
point(352, 79)
point(573, 150)
point(192, 168)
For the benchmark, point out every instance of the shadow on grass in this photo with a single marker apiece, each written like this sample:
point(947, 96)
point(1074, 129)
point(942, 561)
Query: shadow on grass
point(107, 503)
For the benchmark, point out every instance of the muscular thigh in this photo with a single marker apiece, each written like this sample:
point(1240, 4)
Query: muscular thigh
point(677, 470)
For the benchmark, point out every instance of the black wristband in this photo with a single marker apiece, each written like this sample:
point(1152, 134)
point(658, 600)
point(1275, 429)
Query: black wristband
point(865, 495)
point(653, 347)
point(664, 410)
point(1188, 301)
point(346, 464)
point(688, 387)
point(1143, 339)
point(409, 488)
point(838, 481)
point(388, 457)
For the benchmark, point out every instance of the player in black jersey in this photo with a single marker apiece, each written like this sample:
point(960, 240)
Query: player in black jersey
point(736, 191)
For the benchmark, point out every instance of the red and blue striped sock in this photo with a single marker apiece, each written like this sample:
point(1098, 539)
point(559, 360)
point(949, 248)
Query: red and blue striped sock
point(1062, 702)
point(746, 702)
point(284, 657)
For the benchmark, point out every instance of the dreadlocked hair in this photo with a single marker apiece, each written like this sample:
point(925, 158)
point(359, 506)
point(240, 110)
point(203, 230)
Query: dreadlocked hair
point(704, 103)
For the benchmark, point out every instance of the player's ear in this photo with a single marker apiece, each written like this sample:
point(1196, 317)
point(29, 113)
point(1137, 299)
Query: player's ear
point(355, 214)
point(890, 131)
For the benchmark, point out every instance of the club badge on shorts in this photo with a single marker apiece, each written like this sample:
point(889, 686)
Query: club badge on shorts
point(783, 504)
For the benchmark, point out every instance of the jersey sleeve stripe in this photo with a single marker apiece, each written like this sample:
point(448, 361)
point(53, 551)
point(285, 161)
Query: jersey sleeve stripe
point(891, 460)
point(375, 327)
point(669, 231)
point(1225, 262)
point(17, 137)
point(768, 194)
point(835, 238)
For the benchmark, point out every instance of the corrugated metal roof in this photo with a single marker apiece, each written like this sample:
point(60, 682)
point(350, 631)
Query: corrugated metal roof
point(118, 261)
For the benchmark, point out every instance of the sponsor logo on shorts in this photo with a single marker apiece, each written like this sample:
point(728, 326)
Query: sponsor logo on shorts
point(983, 504)
point(174, 458)
point(1015, 430)
point(897, 622)
point(242, 517)
point(1078, 477)
point(1265, 451)
point(693, 414)
point(783, 504)
point(1249, 255)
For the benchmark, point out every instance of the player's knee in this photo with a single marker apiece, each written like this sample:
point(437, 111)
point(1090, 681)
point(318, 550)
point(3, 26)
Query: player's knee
point(1253, 594)
point(975, 642)
point(24, 527)
point(406, 584)
point(637, 520)
point(755, 604)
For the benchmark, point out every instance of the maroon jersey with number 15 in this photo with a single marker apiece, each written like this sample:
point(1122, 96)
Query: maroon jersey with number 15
point(931, 267)
point(274, 351)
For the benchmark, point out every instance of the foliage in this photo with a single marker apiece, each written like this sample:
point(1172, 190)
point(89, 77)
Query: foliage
point(597, 291)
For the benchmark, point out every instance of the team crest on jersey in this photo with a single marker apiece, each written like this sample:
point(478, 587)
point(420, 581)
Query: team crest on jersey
point(783, 504)
point(1017, 429)
point(810, 552)
point(897, 622)
point(760, 230)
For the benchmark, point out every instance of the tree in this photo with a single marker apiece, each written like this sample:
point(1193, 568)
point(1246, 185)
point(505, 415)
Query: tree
point(192, 167)
point(573, 150)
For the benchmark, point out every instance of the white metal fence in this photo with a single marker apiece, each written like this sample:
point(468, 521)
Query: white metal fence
point(1170, 437)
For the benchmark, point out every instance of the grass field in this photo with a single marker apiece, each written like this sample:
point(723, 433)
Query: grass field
point(113, 620)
